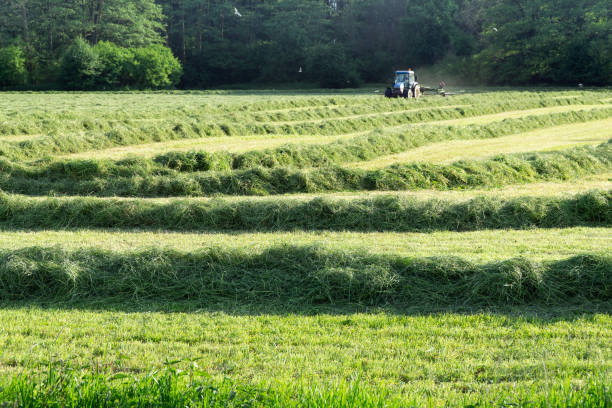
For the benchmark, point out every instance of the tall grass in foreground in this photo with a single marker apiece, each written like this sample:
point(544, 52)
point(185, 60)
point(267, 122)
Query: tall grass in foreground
point(298, 277)
point(59, 387)
point(382, 213)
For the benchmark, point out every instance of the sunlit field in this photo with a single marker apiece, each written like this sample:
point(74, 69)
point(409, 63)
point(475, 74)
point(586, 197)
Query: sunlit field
point(306, 249)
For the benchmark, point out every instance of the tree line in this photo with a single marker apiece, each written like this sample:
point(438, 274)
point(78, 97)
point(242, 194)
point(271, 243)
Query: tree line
point(108, 44)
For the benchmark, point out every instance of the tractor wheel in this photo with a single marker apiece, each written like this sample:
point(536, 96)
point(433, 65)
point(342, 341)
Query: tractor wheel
point(405, 94)
point(416, 92)
point(388, 93)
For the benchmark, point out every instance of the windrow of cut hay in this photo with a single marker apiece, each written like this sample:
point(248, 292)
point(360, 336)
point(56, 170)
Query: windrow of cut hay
point(134, 111)
point(197, 121)
point(298, 276)
point(382, 213)
point(166, 129)
point(63, 386)
point(360, 148)
point(367, 147)
point(498, 171)
point(374, 104)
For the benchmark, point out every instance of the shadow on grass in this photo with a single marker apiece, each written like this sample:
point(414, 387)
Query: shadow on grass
point(300, 280)
point(381, 213)
point(533, 313)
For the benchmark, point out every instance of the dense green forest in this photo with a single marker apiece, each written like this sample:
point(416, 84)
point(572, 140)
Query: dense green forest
point(108, 44)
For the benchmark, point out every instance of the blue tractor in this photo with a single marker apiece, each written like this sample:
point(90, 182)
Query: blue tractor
point(405, 85)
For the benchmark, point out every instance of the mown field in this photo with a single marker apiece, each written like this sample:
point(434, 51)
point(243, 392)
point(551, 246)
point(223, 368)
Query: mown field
point(310, 249)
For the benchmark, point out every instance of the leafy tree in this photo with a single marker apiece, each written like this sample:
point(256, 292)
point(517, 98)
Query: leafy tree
point(47, 27)
point(79, 66)
point(113, 65)
point(328, 64)
point(373, 32)
point(241, 41)
point(541, 41)
point(132, 23)
point(12, 67)
point(291, 27)
point(428, 28)
point(155, 66)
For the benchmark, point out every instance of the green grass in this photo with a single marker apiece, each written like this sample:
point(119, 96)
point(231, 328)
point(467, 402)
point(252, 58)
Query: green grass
point(233, 144)
point(22, 113)
point(300, 156)
point(367, 147)
point(382, 213)
point(553, 138)
point(559, 188)
point(477, 283)
point(476, 246)
point(488, 118)
point(177, 388)
point(297, 277)
point(94, 178)
point(64, 135)
point(414, 358)
point(238, 144)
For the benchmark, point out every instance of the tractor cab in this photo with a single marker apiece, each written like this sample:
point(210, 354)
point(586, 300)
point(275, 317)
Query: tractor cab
point(404, 85)
point(408, 78)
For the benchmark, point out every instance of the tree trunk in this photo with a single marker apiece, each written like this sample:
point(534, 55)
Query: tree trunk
point(183, 8)
point(97, 21)
point(24, 16)
point(200, 23)
point(50, 28)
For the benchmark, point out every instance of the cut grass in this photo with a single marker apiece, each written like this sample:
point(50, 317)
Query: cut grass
point(106, 116)
point(382, 213)
point(298, 277)
point(477, 246)
point(361, 147)
point(487, 318)
point(91, 135)
point(362, 114)
point(93, 178)
point(237, 143)
point(234, 144)
point(420, 356)
point(21, 113)
point(483, 119)
point(558, 137)
point(20, 138)
point(364, 147)
point(586, 183)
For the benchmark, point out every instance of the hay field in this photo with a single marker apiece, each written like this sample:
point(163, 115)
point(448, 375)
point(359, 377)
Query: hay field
point(312, 249)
